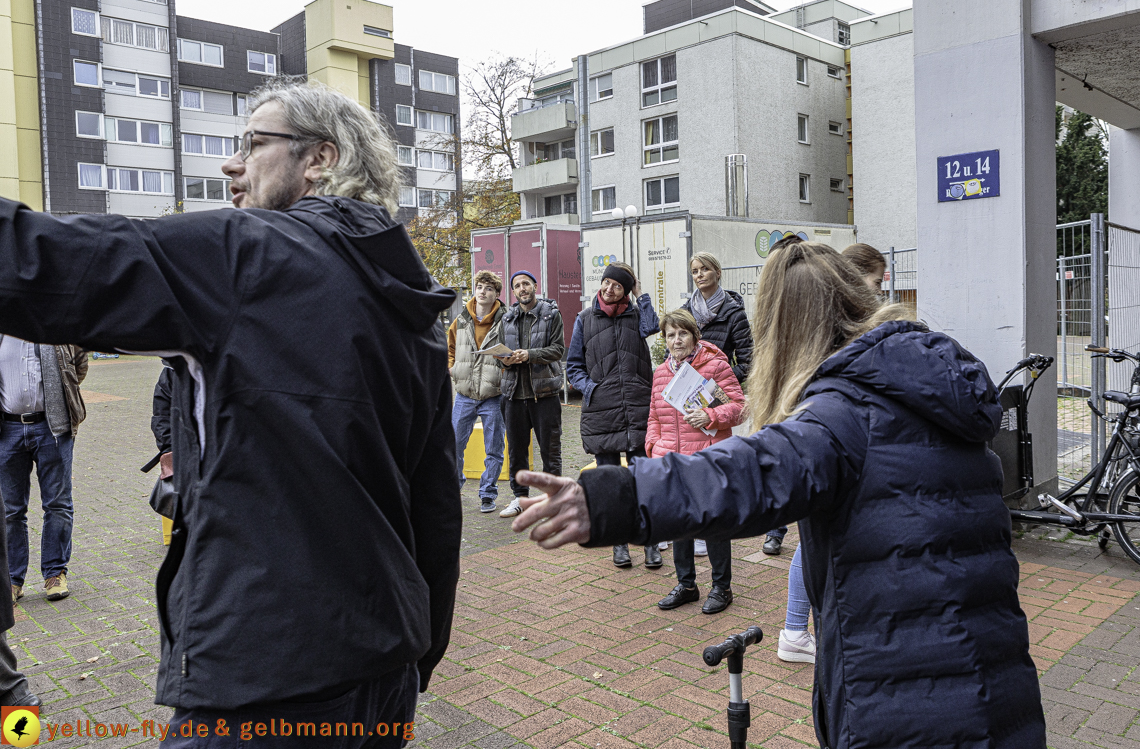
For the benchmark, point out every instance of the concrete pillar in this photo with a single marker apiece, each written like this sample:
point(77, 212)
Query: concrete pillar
point(1124, 177)
point(986, 266)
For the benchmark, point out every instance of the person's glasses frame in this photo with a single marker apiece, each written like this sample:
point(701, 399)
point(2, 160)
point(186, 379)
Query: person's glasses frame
point(246, 146)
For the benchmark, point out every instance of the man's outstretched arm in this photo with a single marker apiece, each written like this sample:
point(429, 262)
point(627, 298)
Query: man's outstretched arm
point(107, 282)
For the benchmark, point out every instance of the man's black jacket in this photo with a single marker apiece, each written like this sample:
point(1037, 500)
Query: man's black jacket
point(317, 537)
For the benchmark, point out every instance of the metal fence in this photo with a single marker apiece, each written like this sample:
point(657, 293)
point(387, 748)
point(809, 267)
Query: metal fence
point(901, 279)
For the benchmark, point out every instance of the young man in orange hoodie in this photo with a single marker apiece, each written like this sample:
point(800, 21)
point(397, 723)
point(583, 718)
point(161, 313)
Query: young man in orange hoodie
point(476, 380)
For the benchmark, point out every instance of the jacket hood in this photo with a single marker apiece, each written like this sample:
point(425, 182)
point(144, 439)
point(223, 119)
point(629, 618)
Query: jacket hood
point(381, 251)
point(708, 352)
point(472, 308)
point(927, 372)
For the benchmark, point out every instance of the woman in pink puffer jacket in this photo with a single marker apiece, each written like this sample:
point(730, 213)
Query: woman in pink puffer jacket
point(670, 431)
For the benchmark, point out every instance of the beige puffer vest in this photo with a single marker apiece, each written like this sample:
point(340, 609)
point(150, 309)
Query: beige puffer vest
point(476, 377)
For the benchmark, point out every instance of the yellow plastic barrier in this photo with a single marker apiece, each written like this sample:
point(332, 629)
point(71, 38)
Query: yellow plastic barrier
point(167, 529)
point(594, 465)
point(475, 454)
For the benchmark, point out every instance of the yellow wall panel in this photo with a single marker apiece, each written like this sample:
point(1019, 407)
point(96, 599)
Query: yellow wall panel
point(340, 25)
point(7, 98)
point(364, 79)
point(9, 188)
point(27, 103)
point(5, 42)
point(23, 11)
point(28, 154)
point(9, 163)
point(24, 60)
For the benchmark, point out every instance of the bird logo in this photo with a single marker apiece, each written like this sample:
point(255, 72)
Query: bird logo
point(21, 726)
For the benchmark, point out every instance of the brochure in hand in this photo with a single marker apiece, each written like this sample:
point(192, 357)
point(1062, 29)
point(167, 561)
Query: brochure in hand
point(688, 391)
point(499, 351)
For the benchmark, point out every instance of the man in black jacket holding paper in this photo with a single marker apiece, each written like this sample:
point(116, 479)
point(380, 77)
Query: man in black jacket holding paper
point(312, 572)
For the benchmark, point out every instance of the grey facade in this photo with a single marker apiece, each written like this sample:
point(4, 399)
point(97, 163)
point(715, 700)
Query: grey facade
point(664, 13)
point(739, 85)
point(163, 99)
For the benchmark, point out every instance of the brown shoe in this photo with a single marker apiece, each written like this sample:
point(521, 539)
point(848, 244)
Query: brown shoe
point(17, 592)
point(56, 587)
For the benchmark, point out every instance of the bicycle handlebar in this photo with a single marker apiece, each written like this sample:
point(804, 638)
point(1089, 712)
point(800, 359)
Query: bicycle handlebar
point(714, 654)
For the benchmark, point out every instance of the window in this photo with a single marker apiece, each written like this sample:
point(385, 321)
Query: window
point(91, 176)
point(603, 199)
point(407, 196)
point(436, 160)
point(836, 185)
point(438, 82)
point(86, 73)
point(191, 99)
point(801, 70)
point(405, 155)
point(844, 34)
point(403, 75)
point(434, 121)
point(200, 188)
point(434, 198)
point(554, 205)
point(662, 193)
point(835, 128)
point(200, 53)
point(131, 34)
point(561, 150)
point(261, 62)
point(242, 105)
point(660, 140)
point(403, 115)
point(157, 87)
point(659, 81)
point(834, 72)
point(120, 81)
point(802, 128)
point(602, 87)
point(133, 131)
point(140, 180)
point(805, 188)
point(85, 22)
point(208, 145)
point(89, 124)
point(373, 31)
point(602, 143)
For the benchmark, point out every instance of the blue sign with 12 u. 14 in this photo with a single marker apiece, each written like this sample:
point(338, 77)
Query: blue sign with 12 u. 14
point(969, 175)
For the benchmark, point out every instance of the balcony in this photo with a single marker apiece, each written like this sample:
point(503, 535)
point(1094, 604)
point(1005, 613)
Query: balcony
point(546, 176)
point(556, 121)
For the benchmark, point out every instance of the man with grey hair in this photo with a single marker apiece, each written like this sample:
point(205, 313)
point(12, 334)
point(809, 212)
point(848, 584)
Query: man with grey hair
point(311, 577)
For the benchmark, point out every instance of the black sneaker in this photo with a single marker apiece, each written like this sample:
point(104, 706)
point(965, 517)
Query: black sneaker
point(621, 556)
point(679, 596)
point(772, 546)
point(488, 505)
point(717, 601)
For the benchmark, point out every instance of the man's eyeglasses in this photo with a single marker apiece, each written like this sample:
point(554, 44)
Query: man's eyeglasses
point(247, 143)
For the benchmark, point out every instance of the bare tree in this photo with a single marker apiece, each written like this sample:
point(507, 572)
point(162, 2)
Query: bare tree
point(493, 88)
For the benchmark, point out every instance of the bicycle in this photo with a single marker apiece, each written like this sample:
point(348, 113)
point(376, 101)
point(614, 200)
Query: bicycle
point(1112, 484)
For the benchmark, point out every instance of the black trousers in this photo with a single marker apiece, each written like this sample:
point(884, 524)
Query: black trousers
point(544, 416)
point(720, 557)
point(363, 717)
point(614, 459)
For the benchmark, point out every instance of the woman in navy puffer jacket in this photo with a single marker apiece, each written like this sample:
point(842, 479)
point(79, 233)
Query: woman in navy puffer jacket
point(876, 445)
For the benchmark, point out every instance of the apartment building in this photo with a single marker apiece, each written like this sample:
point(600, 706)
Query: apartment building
point(141, 107)
point(730, 113)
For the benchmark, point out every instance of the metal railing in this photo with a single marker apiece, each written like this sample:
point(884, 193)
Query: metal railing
point(1076, 281)
point(901, 278)
point(525, 105)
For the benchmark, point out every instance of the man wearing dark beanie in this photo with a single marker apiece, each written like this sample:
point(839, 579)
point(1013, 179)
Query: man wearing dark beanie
point(532, 378)
point(609, 363)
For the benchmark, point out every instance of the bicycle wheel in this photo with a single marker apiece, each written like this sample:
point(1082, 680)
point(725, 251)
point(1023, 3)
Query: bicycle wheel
point(1126, 501)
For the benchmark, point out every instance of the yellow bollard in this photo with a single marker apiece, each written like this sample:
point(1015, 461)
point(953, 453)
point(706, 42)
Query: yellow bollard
point(594, 465)
point(167, 529)
point(475, 454)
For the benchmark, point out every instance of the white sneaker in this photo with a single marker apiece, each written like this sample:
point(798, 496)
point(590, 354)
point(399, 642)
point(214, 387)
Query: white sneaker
point(512, 509)
point(663, 546)
point(699, 548)
point(796, 647)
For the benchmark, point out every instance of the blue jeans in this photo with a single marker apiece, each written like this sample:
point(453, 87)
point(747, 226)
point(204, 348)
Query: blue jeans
point(21, 445)
point(798, 604)
point(463, 416)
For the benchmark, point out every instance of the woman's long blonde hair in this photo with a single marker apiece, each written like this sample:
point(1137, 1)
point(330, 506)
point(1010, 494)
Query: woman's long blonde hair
point(811, 302)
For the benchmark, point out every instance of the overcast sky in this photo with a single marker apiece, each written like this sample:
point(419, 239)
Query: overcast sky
point(471, 29)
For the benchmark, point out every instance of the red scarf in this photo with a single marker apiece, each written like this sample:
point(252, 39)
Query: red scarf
point(613, 310)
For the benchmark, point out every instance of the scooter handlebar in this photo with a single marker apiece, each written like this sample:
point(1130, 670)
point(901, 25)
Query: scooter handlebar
point(714, 654)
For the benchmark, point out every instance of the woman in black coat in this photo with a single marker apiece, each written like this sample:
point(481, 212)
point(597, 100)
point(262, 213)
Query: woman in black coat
point(876, 443)
point(720, 314)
